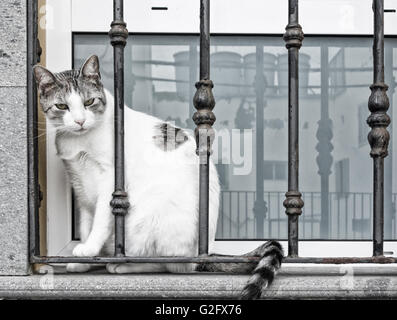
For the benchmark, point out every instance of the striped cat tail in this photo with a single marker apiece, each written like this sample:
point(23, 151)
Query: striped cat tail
point(263, 274)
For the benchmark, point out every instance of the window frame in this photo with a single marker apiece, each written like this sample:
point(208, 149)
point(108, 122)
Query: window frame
point(59, 55)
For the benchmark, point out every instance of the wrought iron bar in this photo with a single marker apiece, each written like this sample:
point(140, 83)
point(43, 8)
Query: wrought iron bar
point(217, 259)
point(378, 120)
point(204, 118)
point(118, 38)
point(33, 53)
point(293, 202)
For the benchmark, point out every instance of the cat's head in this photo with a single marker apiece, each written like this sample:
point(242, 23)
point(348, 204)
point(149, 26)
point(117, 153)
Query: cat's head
point(73, 101)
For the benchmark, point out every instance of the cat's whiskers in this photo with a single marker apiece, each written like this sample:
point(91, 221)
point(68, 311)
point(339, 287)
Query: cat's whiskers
point(45, 132)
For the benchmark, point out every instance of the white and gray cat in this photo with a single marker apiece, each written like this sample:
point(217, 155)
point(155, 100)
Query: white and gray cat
point(161, 174)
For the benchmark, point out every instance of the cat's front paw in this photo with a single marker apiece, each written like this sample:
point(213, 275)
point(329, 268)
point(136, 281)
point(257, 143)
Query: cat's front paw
point(85, 250)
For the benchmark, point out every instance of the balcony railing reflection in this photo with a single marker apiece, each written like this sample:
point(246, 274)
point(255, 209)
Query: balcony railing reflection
point(350, 216)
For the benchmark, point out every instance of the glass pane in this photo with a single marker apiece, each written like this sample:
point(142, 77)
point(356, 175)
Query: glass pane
point(268, 167)
point(280, 170)
point(335, 166)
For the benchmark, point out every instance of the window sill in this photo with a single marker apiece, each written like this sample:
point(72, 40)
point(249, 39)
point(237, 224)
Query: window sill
point(293, 281)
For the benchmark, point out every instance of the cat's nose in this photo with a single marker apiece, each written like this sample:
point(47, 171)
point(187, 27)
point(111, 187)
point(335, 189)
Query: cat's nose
point(80, 122)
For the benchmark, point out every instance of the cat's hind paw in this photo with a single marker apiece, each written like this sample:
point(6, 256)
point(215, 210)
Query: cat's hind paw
point(112, 267)
point(77, 267)
point(124, 268)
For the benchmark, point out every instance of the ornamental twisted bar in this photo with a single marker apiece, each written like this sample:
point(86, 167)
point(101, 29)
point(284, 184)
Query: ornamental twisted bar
point(378, 137)
point(118, 38)
point(293, 36)
point(120, 203)
point(293, 203)
point(204, 118)
point(378, 120)
point(118, 33)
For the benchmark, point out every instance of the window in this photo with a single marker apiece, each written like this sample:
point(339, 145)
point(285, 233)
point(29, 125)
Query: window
point(337, 76)
point(161, 67)
point(363, 128)
point(223, 174)
point(153, 86)
point(275, 170)
point(342, 175)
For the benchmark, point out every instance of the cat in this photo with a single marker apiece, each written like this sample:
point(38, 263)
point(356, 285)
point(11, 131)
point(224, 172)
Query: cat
point(161, 173)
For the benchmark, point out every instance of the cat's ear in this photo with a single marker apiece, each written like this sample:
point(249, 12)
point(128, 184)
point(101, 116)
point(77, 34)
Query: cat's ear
point(44, 77)
point(90, 67)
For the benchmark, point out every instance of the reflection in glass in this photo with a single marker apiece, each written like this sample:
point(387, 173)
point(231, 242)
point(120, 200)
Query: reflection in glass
point(251, 86)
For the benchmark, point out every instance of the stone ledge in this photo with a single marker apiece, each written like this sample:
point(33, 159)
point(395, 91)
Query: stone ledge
point(308, 282)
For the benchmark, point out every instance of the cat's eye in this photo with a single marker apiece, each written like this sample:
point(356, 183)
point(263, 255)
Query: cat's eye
point(89, 102)
point(62, 106)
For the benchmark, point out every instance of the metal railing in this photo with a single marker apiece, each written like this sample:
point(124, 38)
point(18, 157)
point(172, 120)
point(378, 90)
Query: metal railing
point(204, 118)
point(118, 38)
point(378, 137)
point(293, 203)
